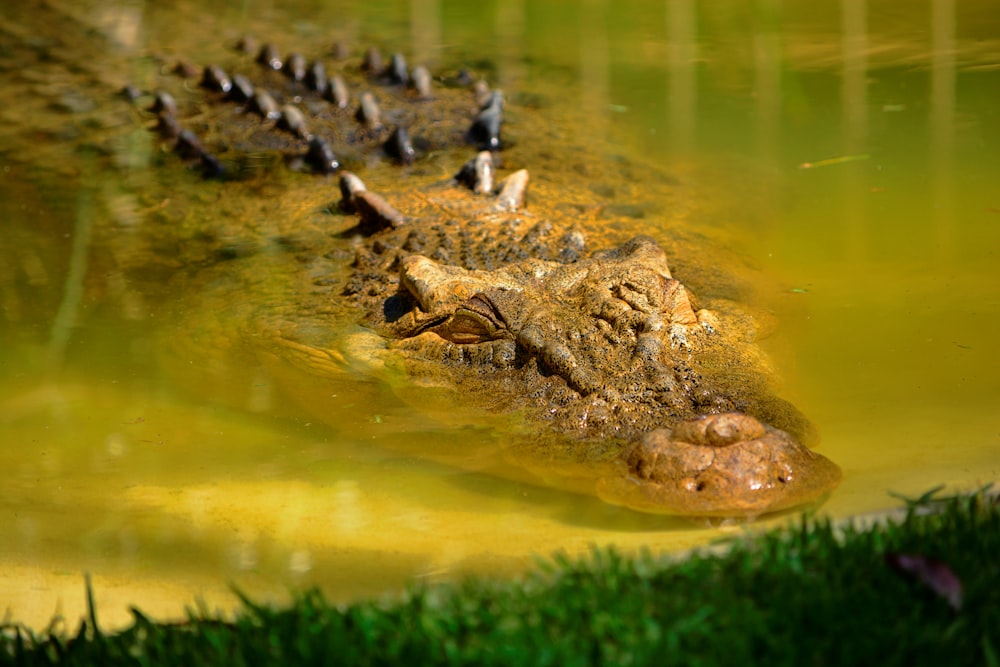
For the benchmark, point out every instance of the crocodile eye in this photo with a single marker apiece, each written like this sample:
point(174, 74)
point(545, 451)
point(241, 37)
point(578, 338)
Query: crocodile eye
point(475, 321)
point(467, 327)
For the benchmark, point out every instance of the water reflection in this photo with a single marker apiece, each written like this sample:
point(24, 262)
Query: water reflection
point(72, 291)
point(942, 119)
point(854, 110)
point(888, 302)
point(682, 56)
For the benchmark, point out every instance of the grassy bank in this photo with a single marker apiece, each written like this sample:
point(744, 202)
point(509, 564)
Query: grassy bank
point(921, 590)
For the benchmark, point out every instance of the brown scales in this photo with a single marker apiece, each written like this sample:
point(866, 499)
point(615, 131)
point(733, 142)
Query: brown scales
point(606, 348)
point(624, 380)
point(314, 115)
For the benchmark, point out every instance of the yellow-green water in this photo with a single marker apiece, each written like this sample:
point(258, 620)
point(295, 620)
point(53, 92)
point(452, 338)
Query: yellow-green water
point(880, 261)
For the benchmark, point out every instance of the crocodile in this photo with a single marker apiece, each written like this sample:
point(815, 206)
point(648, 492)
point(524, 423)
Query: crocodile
point(646, 398)
point(625, 383)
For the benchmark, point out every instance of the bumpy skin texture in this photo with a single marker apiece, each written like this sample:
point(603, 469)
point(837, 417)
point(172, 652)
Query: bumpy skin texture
point(606, 349)
point(267, 108)
point(626, 386)
point(719, 465)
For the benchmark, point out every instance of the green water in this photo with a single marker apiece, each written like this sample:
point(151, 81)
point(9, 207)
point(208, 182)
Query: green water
point(851, 149)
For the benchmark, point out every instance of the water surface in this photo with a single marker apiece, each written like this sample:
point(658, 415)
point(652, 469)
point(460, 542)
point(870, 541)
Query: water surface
point(849, 152)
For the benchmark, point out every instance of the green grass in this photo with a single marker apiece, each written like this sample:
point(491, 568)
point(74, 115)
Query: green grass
point(812, 594)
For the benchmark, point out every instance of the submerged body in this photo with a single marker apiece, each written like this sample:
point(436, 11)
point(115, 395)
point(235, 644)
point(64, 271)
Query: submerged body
point(655, 403)
point(623, 382)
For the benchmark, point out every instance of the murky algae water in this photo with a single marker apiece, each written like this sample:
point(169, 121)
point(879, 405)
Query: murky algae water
point(852, 150)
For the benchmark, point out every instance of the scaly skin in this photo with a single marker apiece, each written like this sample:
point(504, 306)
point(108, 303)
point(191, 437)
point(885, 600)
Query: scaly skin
point(267, 108)
point(625, 384)
point(642, 397)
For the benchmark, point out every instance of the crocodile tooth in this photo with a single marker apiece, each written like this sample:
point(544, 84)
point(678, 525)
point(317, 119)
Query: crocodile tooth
point(262, 103)
point(378, 128)
point(316, 77)
point(242, 90)
point(270, 57)
point(293, 121)
point(375, 212)
point(246, 45)
point(372, 62)
point(164, 103)
point(477, 174)
point(512, 190)
point(336, 92)
point(420, 81)
point(214, 78)
point(368, 113)
point(350, 185)
point(320, 156)
point(295, 67)
point(397, 70)
point(485, 129)
point(399, 146)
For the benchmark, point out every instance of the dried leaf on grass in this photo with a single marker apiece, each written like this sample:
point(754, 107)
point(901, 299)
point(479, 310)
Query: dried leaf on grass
point(930, 572)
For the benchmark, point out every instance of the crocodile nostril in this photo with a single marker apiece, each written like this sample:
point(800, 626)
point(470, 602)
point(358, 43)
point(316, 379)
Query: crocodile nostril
point(651, 324)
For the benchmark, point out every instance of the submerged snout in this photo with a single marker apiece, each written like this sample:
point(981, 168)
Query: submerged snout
point(725, 465)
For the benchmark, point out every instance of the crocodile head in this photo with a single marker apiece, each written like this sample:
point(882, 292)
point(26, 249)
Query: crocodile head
point(612, 349)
